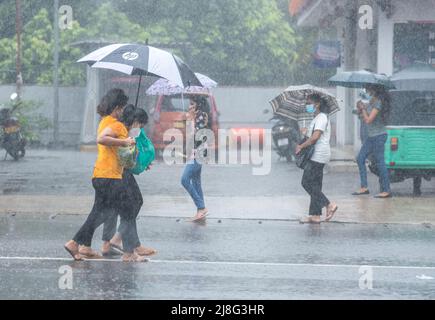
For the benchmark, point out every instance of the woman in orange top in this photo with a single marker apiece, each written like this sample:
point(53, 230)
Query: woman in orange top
point(110, 189)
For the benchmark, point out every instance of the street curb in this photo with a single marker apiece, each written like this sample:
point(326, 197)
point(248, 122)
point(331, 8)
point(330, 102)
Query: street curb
point(428, 225)
point(340, 166)
point(277, 208)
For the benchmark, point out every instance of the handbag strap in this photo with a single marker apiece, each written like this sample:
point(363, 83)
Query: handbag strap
point(327, 124)
point(326, 128)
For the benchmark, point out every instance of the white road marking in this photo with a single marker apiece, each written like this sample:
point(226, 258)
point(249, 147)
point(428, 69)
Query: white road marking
point(228, 263)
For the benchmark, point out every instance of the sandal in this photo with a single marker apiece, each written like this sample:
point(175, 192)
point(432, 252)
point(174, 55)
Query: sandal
point(331, 213)
point(144, 251)
point(117, 248)
point(133, 258)
point(111, 253)
point(389, 195)
point(200, 218)
point(309, 220)
point(361, 193)
point(90, 254)
point(75, 254)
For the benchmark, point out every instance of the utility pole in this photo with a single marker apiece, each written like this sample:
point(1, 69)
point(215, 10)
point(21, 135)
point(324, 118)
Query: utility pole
point(18, 24)
point(56, 74)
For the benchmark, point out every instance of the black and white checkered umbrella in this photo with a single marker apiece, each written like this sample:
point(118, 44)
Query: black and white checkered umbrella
point(292, 102)
point(137, 59)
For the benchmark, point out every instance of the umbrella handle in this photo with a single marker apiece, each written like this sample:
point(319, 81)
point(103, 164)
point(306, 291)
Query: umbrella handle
point(138, 90)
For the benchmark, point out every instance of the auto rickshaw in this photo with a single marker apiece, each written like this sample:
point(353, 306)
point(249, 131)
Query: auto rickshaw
point(410, 148)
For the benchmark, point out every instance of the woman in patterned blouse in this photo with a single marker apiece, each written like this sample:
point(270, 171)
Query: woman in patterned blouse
point(198, 116)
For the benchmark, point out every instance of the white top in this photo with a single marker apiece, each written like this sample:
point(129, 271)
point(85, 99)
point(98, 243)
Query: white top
point(322, 149)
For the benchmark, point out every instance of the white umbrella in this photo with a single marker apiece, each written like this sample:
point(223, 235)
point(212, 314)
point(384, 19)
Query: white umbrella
point(137, 59)
point(166, 87)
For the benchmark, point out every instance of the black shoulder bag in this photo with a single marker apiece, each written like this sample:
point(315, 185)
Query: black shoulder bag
point(305, 155)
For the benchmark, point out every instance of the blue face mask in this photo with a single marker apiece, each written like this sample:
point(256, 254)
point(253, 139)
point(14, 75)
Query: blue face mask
point(310, 108)
point(366, 95)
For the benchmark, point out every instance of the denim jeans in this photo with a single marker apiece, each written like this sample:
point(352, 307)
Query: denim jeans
point(376, 146)
point(133, 205)
point(191, 181)
point(312, 181)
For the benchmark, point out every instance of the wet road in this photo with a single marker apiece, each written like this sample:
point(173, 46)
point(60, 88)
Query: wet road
point(223, 259)
point(69, 173)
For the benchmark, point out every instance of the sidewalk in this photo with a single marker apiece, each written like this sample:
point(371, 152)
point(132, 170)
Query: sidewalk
point(58, 182)
point(364, 210)
point(343, 159)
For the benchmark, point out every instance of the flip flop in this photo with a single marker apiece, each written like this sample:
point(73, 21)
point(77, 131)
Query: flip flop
point(361, 193)
point(331, 215)
point(135, 258)
point(200, 218)
point(117, 248)
point(111, 253)
point(384, 197)
point(76, 256)
point(93, 255)
point(308, 221)
point(151, 252)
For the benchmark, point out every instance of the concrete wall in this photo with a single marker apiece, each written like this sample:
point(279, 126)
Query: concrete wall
point(244, 105)
point(72, 102)
point(237, 106)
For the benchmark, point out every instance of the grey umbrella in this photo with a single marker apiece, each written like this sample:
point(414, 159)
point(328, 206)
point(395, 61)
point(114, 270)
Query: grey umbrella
point(419, 77)
point(358, 79)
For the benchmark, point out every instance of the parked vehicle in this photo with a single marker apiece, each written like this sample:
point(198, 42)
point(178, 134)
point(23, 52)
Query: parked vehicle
point(285, 135)
point(410, 148)
point(11, 138)
point(170, 113)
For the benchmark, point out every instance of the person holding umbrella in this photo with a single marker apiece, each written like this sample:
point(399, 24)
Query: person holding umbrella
point(198, 116)
point(375, 116)
point(111, 191)
point(319, 135)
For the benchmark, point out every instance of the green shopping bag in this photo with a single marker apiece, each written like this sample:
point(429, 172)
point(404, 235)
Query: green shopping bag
point(146, 153)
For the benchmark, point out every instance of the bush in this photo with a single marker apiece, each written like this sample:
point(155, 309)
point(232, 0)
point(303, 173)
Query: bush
point(32, 123)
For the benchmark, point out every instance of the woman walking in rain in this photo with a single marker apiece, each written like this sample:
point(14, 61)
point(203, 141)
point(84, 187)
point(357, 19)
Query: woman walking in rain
point(375, 116)
point(319, 135)
point(198, 115)
point(135, 119)
point(110, 189)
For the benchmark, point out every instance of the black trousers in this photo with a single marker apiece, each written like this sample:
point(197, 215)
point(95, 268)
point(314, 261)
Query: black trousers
point(312, 180)
point(134, 202)
point(111, 199)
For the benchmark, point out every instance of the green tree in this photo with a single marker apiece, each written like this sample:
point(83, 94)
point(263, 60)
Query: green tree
point(235, 41)
point(108, 25)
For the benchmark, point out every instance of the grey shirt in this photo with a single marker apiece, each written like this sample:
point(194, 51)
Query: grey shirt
point(377, 127)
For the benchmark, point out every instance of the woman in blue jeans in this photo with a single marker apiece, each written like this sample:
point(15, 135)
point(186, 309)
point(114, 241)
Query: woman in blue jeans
point(198, 117)
point(375, 116)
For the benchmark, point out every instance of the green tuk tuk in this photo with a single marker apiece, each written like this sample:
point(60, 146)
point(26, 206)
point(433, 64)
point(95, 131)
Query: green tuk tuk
point(410, 148)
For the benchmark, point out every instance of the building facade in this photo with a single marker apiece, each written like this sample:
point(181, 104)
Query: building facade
point(381, 35)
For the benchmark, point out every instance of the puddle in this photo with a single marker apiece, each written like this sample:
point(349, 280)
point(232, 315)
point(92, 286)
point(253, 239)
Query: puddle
point(11, 190)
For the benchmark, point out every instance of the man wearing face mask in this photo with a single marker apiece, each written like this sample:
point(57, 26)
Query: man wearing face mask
point(319, 135)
